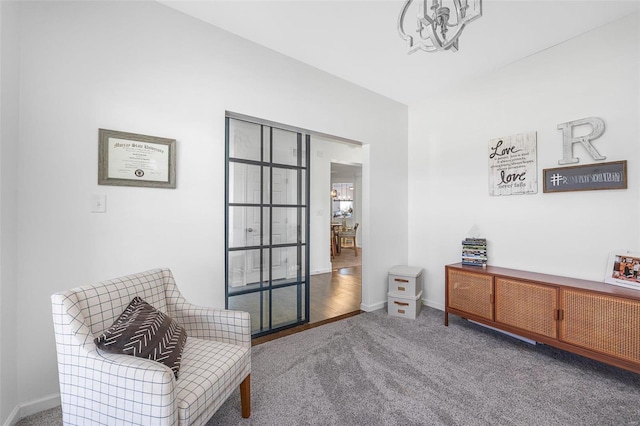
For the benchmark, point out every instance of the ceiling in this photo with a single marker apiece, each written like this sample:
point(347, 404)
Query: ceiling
point(357, 40)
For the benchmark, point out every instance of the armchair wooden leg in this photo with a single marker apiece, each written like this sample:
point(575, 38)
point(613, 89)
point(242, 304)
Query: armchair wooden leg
point(245, 396)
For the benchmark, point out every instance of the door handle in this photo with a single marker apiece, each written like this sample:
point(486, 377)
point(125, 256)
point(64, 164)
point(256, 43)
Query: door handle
point(249, 229)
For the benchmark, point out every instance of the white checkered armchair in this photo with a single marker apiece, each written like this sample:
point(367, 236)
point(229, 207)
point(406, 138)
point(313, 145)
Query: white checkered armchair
point(98, 387)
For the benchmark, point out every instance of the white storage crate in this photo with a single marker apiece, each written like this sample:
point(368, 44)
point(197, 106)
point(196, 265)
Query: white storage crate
point(404, 307)
point(405, 281)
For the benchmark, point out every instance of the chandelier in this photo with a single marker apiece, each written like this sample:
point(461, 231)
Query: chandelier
point(439, 28)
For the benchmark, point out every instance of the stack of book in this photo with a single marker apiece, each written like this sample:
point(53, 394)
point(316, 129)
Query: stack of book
point(474, 251)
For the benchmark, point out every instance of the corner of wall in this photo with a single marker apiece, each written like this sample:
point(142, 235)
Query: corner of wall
point(10, 15)
point(23, 410)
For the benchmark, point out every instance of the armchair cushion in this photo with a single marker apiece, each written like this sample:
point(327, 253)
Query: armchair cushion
point(214, 363)
point(143, 331)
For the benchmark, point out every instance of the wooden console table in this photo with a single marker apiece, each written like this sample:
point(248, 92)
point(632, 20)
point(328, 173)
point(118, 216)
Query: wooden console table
point(593, 319)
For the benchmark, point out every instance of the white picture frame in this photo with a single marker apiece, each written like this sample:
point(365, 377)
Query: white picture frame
point(513, 164)
point(623, 269)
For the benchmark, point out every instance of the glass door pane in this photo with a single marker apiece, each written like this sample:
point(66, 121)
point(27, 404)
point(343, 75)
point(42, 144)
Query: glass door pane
point(267, 225)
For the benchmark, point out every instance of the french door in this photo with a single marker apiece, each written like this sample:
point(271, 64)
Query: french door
point(267, 224)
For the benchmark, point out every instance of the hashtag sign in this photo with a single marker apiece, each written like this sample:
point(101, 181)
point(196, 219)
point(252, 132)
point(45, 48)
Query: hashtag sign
point(556, 179)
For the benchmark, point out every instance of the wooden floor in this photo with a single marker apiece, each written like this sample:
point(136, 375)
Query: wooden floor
point(333, 296)
point(346, 259)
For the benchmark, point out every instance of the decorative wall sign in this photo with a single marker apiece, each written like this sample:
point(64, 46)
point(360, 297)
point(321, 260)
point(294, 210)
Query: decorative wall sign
point(568, 140)
point(623, 269)
point(612, 175)
point(129, 159)
point(513, 165)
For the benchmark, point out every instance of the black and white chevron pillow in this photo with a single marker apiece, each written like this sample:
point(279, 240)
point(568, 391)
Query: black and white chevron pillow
point(143, 331)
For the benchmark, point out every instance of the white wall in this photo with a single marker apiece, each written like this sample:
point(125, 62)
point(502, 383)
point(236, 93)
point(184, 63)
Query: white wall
point(323, 152)
point(144, 68)
point(571, 233)
point(9, 101)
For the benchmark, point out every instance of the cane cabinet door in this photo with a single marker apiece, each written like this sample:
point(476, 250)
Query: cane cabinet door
point(470, 292)
point(603, 323)
point(527, 306)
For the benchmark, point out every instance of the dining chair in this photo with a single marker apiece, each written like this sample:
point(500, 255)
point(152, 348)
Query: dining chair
point(332, 241)
point(349, 236)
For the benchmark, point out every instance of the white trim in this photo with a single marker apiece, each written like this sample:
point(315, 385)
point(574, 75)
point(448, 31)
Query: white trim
point(515, 336)
point(23, 410)
point(374, 307)
point(13, 417)
point(436, 305)
point(320, 271)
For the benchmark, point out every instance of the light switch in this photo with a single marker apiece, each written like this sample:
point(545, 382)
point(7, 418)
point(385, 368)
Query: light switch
point(98, 203)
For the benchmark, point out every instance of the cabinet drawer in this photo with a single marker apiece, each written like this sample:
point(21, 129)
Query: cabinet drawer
point(405, 286)
point(405, 308)
point(527, 306)
point(470, 292)
point(602, 323)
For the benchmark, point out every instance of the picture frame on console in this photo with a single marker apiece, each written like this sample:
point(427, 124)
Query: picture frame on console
point(623, 269)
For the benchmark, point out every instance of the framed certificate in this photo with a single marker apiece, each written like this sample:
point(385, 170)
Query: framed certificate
point(129, 159)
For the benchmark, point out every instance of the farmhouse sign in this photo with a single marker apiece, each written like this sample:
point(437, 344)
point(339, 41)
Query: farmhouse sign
point(512, 165)
point(612, 175)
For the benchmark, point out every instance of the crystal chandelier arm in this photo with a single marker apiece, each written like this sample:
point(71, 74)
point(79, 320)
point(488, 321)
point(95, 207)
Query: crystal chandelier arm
point(403, 12)
point(409, 39)
point(423, 15)
point(471, 13)
point(461, 9)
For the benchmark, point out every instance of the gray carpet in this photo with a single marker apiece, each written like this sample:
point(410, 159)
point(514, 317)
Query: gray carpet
point(378, 370)
point(372, 369)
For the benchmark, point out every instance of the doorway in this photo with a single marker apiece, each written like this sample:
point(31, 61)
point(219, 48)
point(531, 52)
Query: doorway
point(336, 280)
point(346, 213)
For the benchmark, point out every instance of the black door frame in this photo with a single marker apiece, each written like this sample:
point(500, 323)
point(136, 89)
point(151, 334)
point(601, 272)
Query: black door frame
point(266, 284)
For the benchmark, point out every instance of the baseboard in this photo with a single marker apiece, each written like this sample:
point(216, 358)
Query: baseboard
point(35, 406)
point(13, 418)
point(374, 307)
point(515, 336)
point(432, 304)
point(320, 271)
